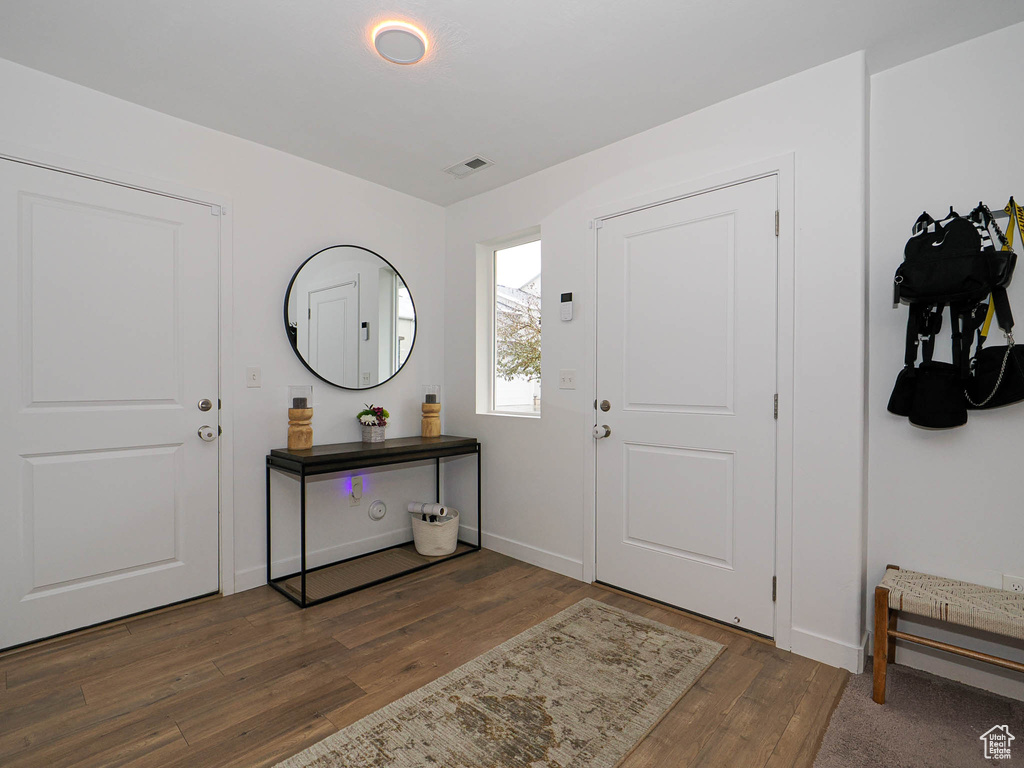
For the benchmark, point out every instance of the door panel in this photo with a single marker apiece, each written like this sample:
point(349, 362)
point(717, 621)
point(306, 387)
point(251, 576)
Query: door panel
point(110, 501)
point(698, 529)
point(102, 279)
point(661, 293)
point(686, 357)
point(79, 527)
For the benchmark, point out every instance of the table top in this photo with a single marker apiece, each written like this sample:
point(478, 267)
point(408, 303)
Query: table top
point(392, 447)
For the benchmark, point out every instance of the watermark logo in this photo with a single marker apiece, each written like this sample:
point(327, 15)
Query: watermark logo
point(997, 742)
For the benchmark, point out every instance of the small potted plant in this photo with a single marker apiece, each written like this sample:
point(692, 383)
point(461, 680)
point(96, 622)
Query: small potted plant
point(374, 419)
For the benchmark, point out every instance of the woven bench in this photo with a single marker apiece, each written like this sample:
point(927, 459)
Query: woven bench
point(956, 602)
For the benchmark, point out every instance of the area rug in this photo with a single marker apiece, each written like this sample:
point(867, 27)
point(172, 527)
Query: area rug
point(926, 722)
point(579, 689)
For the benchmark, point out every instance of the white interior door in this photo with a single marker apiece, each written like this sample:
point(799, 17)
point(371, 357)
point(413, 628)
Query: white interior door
point(686, 359)
point(334, 332)
point(109, 300)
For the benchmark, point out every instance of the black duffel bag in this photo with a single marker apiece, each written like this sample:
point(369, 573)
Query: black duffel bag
point(997, 373)
point(998, 377)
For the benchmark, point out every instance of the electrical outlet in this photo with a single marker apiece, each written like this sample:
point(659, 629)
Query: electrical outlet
point(357, 491)
point(1013, 583)
point(253, 377)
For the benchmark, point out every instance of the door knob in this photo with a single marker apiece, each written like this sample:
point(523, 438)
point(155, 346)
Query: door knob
point(207, 433)
point(601, 432)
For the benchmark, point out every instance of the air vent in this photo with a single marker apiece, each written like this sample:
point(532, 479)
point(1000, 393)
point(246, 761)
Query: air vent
point(466, 167)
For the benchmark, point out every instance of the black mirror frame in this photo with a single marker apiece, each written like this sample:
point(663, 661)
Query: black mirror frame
point(293, 341)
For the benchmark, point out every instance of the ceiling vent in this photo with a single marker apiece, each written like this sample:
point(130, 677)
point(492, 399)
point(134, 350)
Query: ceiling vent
point(466, 167)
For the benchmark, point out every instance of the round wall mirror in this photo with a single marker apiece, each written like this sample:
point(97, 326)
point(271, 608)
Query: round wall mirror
point(350, 317)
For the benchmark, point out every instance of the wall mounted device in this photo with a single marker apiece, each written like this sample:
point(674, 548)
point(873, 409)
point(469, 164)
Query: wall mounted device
point(566, 306)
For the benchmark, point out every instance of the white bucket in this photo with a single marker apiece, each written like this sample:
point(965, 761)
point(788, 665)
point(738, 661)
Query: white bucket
point(436, 539)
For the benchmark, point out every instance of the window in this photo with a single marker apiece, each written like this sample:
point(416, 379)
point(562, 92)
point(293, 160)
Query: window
point(515, 342)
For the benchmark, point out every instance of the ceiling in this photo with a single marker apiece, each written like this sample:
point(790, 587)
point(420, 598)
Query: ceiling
point(525, 83)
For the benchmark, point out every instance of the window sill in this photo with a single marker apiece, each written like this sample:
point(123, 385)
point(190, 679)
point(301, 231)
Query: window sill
point(510, 414)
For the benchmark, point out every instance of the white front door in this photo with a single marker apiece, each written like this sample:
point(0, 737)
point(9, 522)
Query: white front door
point(108, 496)
point(334, 332)
point(686, 360)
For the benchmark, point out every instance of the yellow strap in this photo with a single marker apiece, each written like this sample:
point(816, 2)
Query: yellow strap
point(988, 318)
point(1016, 214)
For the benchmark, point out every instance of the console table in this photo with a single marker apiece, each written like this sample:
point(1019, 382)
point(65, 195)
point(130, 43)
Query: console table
point(340, 457)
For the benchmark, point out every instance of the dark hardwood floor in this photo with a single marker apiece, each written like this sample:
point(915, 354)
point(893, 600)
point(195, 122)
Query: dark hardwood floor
point(250, 679)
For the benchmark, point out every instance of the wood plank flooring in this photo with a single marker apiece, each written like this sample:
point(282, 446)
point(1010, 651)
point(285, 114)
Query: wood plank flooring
point(249, 679)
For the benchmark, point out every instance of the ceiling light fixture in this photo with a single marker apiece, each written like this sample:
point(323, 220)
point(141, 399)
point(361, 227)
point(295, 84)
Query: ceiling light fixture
point(399, 42)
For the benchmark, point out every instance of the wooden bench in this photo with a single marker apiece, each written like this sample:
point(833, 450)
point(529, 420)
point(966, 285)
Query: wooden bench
point(957, 602)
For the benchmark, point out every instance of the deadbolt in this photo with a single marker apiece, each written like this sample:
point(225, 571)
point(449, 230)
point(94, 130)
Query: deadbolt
point(207, 433)
point(606, 406)
point(205, 405)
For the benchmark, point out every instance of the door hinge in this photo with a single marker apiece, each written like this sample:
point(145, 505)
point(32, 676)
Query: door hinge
point(775, 587)
point(776, 223)
point(776, 413)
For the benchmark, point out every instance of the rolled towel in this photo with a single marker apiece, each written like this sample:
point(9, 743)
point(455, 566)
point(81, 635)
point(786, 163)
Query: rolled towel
point(426, 508)
point(449, 514)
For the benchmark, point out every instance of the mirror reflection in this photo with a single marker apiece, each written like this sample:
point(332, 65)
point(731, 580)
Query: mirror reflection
point(350, 317)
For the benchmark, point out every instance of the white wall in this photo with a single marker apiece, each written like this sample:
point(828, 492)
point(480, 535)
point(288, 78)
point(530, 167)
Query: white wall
point(534, 469)
point(945, 130)
point(283, 209)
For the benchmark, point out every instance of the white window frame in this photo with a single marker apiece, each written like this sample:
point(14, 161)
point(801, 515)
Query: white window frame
point(486, 309)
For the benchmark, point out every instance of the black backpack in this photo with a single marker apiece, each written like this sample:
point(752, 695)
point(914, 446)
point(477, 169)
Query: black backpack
point(951, 264)
point(952, 261)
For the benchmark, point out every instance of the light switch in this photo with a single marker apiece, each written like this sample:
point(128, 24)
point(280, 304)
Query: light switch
point(567, 378)
point(253, 377)
point(357, 491)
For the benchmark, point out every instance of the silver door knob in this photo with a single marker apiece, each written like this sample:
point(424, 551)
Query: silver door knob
point(207, 433)
point(601, 432)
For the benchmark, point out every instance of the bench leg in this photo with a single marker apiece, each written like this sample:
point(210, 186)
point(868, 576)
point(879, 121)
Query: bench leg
point(893, 615)
point(883, 646)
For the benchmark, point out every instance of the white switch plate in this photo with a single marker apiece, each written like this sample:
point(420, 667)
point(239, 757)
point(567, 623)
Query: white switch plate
point(253, 377)
point(567, 378)
point(1013, 583)
point(357, 491)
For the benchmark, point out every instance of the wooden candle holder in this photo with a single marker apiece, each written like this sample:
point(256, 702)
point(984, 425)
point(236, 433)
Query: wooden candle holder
point(300, 429)
point(431, 423)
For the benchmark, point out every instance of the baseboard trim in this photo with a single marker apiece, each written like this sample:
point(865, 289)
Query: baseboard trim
point(542, 558)
point(828, 650)
point(256, 576)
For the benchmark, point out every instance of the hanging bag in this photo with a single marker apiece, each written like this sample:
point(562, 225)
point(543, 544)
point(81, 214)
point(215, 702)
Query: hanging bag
point(997, 373)
point(951, 261)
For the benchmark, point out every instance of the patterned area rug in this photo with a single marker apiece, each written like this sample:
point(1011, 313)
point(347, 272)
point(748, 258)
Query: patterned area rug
point(580, 689)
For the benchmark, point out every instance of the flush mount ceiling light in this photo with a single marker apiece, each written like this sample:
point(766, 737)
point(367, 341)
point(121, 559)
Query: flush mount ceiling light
point(399, 42)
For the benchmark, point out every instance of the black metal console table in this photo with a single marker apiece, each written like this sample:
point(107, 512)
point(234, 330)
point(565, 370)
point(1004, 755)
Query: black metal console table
point(339, 457)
